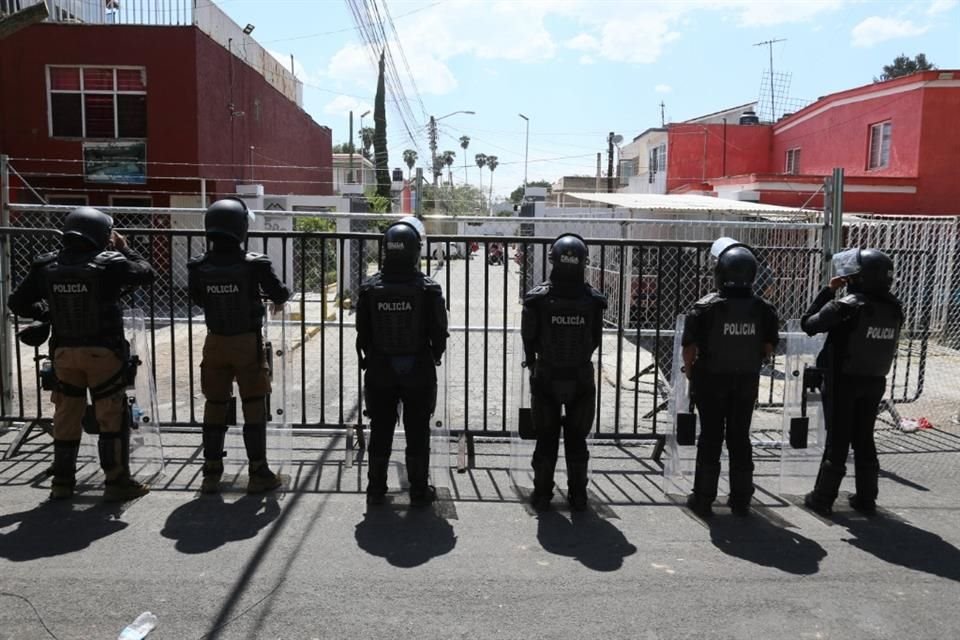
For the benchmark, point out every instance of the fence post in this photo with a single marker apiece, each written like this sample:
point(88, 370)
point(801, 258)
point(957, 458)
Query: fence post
point(832, 235)
point(5, 357)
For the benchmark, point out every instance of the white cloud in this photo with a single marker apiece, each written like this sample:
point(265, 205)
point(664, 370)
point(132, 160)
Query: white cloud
point(663, 88)
point(940, 6)
point(582, 42)
point(587, 60)
point(875, 30)
point(343, 105)
point(765, 13)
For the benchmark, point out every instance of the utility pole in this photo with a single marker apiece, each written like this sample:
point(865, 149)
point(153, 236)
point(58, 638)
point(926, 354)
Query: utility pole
point(419, 204)
point(769, 44)
point(433, 149)
point(596, 189)
point(610, 162)
point(350, 150)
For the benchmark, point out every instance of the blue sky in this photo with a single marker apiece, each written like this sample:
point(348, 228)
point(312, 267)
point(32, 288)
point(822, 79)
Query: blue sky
point(581, 68)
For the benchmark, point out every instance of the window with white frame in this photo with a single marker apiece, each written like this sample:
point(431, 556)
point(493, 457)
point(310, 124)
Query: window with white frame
point(879, 156)
point(657, 162)
point(793, 161)
point(97, 102)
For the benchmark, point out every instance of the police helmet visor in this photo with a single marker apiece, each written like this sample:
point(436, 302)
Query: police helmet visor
point(722, 244)
point(416, 224)
point(846, 263)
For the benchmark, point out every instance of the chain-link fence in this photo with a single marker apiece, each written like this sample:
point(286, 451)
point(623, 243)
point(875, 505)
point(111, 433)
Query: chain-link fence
point(649, 270)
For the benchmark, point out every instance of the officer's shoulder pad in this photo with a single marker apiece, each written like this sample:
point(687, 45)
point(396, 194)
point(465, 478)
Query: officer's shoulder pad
point(853, 300)
point(257, 257)
point(539, 291)
point(429, 284)
point(596, 294)
point(370, 283)
point(196, 261)
point(110, 257)
point(708, 300)
point(45, 258)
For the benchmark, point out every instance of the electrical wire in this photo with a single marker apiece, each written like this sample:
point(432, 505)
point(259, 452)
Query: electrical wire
point(35, 612)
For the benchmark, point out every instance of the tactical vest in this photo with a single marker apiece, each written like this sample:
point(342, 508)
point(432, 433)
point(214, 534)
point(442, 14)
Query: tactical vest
point(872, 343)
point(78, 312)
point(231, 300)
point(566, 330)
point(734, 340)
point(398, 313)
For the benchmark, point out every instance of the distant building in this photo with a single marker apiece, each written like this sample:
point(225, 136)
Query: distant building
point(361, 174)
point(152, 104)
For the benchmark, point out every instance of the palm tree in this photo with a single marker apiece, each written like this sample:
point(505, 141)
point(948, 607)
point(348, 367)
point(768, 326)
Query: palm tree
point(481, 160)
point(464, 143)
point(438, 167)
point(410, 158)
point(448, 158)
point(366, 139)
point(492, 163)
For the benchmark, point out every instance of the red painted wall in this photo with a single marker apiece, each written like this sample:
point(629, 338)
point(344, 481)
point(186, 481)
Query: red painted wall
point(939, 171)
point(188, 120)
point(695, 152)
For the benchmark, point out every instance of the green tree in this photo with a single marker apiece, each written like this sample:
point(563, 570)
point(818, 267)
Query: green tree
point(492, 163)
point(904, 66)
point(344, 147)
point(380, 136)
point(454, 201)
point(366, 140)
point(516, 196)
point(464, 143)
point(448, 157)
point(410, 159)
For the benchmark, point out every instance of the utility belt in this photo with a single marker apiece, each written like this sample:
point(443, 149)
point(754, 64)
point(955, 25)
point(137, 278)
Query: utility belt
point(124, 378)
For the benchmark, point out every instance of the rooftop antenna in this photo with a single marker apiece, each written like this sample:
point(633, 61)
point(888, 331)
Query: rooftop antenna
point(663, 119)
point(770, 43)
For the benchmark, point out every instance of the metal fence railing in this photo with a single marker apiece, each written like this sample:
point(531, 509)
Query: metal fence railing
point(648, 282)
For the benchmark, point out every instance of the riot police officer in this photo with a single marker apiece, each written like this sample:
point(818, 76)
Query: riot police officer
point(230, 284)
point(78, 289)
point(862, 329)
point(726, 337)
point(401, 337)
point(561, 327)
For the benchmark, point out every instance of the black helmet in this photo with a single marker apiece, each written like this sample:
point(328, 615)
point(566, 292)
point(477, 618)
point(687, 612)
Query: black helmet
point(736, 266)
point(568, 255)
point(90, 225)
point(229, 218)
point(401, 248)
point(875, 274)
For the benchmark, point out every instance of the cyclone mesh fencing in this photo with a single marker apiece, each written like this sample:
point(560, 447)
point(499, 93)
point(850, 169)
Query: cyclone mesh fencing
point(650, 271)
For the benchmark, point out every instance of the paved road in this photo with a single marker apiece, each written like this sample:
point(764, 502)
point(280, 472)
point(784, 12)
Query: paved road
point(313, 562)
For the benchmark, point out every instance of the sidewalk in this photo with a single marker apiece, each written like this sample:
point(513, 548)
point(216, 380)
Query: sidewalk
point(312, 562)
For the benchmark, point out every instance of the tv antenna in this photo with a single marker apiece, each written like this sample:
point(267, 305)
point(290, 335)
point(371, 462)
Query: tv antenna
point(769, 44)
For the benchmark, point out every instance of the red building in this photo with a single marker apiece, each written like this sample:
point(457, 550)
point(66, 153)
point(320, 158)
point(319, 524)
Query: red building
point(151, 115)
point(897, 141)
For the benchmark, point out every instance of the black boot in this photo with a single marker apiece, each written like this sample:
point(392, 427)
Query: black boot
point(824, 493)
point(422, 493)
point(741, 490)
point(260, 477)
point(865, 499)
point(64, 469)
point(705, 481)
point(377, 480)
point(114, 450)
point(577, 485)
point(542, 484)
point(213, 437)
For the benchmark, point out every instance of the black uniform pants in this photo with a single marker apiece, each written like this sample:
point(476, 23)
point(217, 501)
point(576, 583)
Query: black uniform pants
point(850, 406)
point(725, 405)
point(575, 393)
point(418, 394)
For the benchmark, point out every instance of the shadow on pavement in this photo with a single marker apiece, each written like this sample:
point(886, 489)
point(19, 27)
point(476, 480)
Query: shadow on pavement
point(901, 543)
point(586, 537)
point(406, 538)
point(208, 522)
point(57, 528)
point(757, 540)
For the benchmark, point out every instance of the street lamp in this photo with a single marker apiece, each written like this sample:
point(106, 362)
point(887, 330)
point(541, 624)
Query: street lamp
point(526, 149)
point(433, 139)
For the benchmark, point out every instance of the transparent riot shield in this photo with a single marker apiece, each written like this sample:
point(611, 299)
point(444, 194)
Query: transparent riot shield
point(146, 446)
point(804, 430)
point(683, 429)
point(523, 437)
point(440, 432)
point(281, 336)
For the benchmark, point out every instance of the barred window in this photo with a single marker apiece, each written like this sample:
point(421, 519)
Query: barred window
point(97, 102)
point(879, 156)
point(793, 161)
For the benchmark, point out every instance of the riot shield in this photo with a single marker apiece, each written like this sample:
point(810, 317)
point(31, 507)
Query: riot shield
point(281, 333)
point(804, 430)
point(146, 445)
point(683, 429)
point(440, 432)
